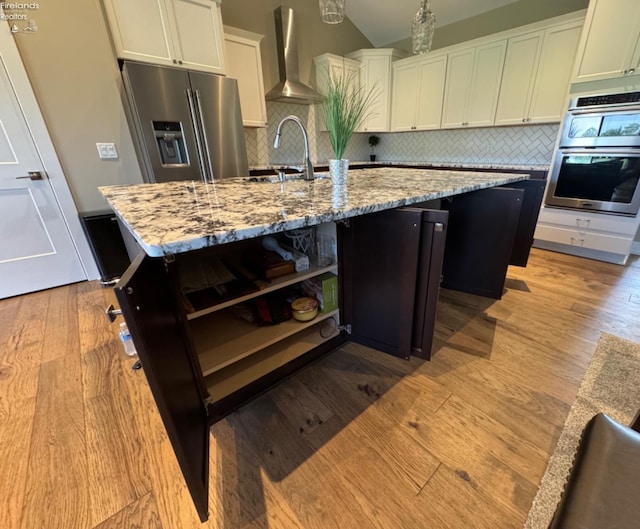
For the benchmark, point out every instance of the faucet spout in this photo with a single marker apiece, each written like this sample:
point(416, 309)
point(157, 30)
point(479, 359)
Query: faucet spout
point(307, 166)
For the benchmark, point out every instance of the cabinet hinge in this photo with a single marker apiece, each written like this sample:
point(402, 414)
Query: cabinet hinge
point(346, 328)
point(167, 260)
point(208, 401)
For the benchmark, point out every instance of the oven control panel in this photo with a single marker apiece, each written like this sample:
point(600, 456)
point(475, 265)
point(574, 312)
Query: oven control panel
point(608, 99)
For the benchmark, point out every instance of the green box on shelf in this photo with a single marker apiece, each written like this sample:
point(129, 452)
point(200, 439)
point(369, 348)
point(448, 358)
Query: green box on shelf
point(325, 289)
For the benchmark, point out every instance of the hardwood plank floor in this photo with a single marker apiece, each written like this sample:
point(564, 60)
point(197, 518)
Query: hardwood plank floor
point(360, 439)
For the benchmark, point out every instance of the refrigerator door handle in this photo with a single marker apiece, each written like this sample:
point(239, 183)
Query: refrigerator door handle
point(195, 121)
point(203, 130)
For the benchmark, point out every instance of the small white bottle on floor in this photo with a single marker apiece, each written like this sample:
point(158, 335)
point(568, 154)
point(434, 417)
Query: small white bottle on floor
point(127, 342)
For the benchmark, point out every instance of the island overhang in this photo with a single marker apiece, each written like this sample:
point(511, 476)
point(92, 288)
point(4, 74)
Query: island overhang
point(177, 217)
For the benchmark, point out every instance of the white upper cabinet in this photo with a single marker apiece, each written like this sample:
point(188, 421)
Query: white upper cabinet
point(610, 43)
point(472, 85)
point(244, 63)
point(375, 75)
point(518, 76)
point(185, 33)
point(418, 92)
point(549, 98)
point(536, 75)
point(337, 67)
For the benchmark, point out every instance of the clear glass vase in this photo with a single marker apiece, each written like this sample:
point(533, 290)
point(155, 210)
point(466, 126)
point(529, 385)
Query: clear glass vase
point(422, 28)
point(338, 170)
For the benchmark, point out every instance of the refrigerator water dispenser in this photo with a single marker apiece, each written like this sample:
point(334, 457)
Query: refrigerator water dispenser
point(170, 143)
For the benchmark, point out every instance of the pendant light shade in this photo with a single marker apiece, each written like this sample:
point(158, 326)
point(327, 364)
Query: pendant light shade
point(332, 11)
point(422, 28)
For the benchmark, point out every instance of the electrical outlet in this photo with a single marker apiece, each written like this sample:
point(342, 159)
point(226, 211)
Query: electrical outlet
point(107, 151)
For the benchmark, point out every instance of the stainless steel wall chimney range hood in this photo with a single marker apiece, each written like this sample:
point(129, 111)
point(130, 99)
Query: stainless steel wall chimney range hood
point(289, 89)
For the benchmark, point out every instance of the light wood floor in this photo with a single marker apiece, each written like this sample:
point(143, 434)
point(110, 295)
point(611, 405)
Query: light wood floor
point(359, 440)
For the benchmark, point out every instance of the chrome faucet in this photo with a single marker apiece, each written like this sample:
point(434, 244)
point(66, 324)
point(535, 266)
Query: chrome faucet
point(307, 167)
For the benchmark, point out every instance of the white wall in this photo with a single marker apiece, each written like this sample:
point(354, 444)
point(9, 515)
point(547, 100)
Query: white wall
point(75, 77)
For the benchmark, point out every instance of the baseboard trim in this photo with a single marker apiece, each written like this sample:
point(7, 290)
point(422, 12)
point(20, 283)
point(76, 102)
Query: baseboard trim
point(589, 253)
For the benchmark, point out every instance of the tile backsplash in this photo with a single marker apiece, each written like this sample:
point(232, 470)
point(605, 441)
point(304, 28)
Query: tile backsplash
point(526, 145)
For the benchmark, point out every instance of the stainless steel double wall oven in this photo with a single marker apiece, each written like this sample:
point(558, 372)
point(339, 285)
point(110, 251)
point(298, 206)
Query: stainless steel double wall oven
point(597, 165)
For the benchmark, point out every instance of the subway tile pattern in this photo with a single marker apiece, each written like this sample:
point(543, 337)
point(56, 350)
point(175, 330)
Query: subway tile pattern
point(530, 145)
point(525, 145)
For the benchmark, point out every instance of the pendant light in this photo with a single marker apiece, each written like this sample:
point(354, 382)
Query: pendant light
point(332, 11)
point(422, 28)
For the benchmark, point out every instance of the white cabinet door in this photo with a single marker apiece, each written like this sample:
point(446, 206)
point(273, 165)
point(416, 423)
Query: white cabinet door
point(548, 103)
point(185, 33)
point(485, 84)
point(244, 63)
point(418, 94)
point(431, 77)
point(197, 30)
point(457, 88)
point(518, 77)
point(140, 30)
point(375, 74)
point(472, 86)
point(404, 97)
point(337, 67)
point(609, 40)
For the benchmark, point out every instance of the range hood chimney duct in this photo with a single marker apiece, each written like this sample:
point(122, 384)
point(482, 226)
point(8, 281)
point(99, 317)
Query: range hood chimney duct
point(289, 89)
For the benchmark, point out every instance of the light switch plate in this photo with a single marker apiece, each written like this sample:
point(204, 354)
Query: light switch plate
point(107, 151)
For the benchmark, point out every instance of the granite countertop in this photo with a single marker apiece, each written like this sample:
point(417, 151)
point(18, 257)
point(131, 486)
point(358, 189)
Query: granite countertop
point(177, 217)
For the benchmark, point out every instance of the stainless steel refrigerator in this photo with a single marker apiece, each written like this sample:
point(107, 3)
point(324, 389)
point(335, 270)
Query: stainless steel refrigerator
point(187, 124)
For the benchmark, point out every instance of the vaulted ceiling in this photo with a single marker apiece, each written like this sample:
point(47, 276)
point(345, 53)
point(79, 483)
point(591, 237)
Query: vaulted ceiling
point(387, 21)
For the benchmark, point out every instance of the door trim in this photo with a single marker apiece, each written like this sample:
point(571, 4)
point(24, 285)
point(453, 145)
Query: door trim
point(46, 151)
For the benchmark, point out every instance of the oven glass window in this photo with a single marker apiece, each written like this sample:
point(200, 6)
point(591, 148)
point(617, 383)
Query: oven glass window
point(605, 178)
point(585, 127)
point(625, 125)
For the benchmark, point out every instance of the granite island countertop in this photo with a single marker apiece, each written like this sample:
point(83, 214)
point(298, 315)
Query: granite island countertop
point(176, 217)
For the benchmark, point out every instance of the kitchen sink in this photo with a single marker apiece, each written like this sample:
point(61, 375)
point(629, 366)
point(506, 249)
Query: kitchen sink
point(284, 177)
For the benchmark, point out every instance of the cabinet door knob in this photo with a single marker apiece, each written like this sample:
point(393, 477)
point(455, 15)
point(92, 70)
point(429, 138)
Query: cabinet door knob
point(175, 61)
point(179, 62)
point(624, 72)
point(631, 71)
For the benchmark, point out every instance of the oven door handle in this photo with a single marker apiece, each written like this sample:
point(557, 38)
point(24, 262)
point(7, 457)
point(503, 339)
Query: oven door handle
point(600, 151)
point(604, 110)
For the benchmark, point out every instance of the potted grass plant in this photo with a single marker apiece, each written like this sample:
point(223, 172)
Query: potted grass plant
point(346, 104)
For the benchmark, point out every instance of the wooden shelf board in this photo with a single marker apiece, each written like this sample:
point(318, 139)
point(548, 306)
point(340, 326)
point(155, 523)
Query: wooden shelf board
point(237, 375)
point(275, 284)
point(223, 339)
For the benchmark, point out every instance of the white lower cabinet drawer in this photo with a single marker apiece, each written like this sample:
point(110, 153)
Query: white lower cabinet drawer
point(594, 241)
point(583, 221)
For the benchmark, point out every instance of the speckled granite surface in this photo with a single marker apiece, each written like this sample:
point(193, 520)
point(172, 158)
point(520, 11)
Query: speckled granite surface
point(611, 385)
point(177, 217)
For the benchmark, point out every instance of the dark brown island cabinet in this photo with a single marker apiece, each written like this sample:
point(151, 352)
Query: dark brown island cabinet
point(203, 363)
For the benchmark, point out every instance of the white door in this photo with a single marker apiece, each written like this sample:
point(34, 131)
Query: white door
point(36, 250)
